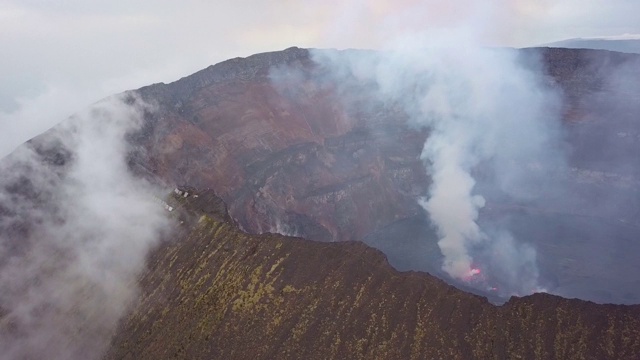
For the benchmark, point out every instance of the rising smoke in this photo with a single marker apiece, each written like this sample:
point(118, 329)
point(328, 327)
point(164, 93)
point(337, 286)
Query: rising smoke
point(75, 227)
point(486, 111)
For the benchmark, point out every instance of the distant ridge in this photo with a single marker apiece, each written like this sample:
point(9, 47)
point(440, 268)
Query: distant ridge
point(628, 43)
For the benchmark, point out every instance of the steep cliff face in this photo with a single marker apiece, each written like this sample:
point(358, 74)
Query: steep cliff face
point(291, 156)
point(292, 159)
point(273, 135)
point(217, 292)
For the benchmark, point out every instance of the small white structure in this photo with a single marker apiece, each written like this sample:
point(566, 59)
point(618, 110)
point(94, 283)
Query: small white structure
point(181, 192)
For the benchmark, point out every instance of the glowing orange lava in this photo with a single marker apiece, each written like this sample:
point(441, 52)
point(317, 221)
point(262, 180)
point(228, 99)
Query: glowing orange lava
point(471, 275)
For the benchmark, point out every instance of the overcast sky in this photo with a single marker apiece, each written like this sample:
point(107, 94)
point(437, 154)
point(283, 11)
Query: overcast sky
point(60, 56)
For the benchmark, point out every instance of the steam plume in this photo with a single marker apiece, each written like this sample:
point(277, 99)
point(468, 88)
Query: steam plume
point(484, 109)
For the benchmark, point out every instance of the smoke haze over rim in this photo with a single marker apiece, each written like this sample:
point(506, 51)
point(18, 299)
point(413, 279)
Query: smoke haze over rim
point(75, 229)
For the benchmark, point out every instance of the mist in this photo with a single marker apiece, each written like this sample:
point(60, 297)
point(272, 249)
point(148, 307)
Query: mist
point(75, 228)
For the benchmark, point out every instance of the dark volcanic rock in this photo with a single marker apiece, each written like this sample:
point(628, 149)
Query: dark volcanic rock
point(294, 150)
point(282, 154)
point(291, 157)
point(219, 293)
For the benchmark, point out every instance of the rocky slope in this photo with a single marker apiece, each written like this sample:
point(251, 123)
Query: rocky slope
point(219, 293)
point(289, 156)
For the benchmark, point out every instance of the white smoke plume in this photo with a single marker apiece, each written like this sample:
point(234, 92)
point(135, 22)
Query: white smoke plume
point(484, 109)
point(75, 228)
